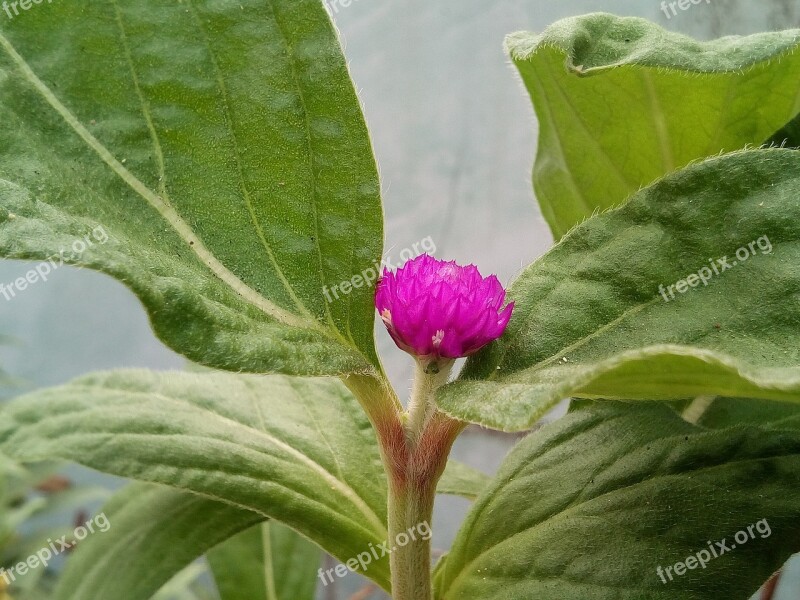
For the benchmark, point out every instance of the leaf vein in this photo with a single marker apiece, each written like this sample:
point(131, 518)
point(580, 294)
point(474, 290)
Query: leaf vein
point(247, 197)
point(181, 227)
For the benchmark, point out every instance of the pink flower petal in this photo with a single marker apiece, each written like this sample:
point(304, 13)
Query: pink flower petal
point(441, 309)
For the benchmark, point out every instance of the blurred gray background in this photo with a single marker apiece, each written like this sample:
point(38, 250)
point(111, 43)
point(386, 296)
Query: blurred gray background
point(455, 136)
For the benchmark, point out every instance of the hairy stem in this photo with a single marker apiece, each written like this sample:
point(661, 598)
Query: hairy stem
point(410, 514)
point(414, 470)
point(428, 377)
point(414, 448)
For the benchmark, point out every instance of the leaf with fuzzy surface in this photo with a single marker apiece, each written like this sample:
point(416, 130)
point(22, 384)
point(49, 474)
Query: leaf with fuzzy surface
point(219, 167)
point(297, 450)
point(589, 507)
point(155, 532)
point(591, 320)
point(622, 102)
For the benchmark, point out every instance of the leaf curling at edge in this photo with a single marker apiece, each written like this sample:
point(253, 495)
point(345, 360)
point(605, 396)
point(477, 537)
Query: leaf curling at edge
point(590, 321)
point(647, 489)
point(684, 100)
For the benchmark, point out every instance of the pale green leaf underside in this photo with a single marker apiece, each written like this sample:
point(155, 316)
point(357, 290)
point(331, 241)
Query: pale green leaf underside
point(621, 102)
point(189, 584)
point(226, 157)
point(297, 450)
point(459, 479)
point(588, 508)
point(155, 532)
point(266, 562)
point(590, 320)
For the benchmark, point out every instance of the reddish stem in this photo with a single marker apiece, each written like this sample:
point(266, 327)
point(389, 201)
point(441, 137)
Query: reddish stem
point(769, 589)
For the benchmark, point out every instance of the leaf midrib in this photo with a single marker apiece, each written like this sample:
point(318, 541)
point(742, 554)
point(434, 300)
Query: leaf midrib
point(148, 117)
point(558, 137)
point(243, 188)
point(311, 153)
point(659, 122)
point(269, 566)
point(581, 124)
point(334, 482)
point(169, 214)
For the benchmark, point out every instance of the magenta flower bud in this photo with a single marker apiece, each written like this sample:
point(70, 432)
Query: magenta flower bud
point(437, 309)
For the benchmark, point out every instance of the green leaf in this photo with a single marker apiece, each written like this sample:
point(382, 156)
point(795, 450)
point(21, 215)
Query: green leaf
point(591, 322)
point(728, 412)
point(787, 136)
point(189, 584)
point(621, 102)
point(154, 532)
point(219, 167)
point(459, 479)
point(296, 450)
point(266, 562)
point(588, 508)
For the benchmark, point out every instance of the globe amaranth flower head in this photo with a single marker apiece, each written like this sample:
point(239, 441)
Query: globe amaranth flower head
point(437, 309)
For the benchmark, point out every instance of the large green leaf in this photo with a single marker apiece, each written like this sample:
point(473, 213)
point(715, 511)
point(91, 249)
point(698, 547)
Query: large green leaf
point(621, 102)
point(297, 450)
point(154, 533)
point(590, 507)
point(225, 157)
point(590, 320)
point(266, 562)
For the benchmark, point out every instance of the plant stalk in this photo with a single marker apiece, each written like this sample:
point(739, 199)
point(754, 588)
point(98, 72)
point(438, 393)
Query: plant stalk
point(410, 512)
point(428, 377)
point(414, 469)
point(414, 447)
